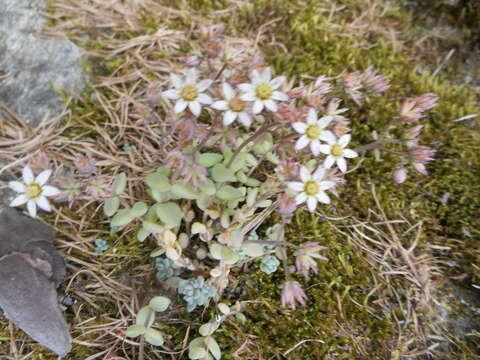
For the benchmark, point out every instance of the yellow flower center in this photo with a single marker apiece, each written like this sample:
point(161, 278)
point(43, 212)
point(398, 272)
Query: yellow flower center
point(311, 188)
point(237, 105)
point(189, 93)
point(337, 150)
point(313, 132)
point(263, 91)
point(33, 191)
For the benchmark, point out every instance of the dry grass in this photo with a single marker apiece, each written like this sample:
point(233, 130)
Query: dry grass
point(110, 288)
point(409, 273)
point(110, 292)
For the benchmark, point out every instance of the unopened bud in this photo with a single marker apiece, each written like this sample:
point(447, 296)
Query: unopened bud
point(400, 175)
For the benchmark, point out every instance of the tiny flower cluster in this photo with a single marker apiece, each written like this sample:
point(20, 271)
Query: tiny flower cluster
point(411, 111)
point(245, 143)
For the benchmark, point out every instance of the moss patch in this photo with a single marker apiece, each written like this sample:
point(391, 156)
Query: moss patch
point(340, 321)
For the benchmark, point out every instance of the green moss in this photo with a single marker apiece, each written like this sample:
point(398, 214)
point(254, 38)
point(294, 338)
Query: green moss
point(336, 320)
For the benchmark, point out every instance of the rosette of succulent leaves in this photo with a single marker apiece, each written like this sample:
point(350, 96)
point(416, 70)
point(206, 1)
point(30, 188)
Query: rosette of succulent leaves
point(247, 144)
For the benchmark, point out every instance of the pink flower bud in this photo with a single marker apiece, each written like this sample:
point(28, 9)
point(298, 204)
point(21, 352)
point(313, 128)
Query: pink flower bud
point(374, 82)
point(192, 61)
point(291, 293)
point(85, 164)
point(400, 175)
point(352, 81)
point(426, 101)
point(214, 48)
point(421, 168)
point(286, 204)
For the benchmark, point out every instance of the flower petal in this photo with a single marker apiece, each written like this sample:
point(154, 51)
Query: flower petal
point(300, 198)
point(325, 185)
point(43, 204)
point(195, 108)
point(328, 137)
point(16, 186)
point(277, 82)
point(229, 117)
point(296, 186)
point(32, 208)
point(325, 149)
point(180, 106)
point(312, 203)
point(191, 78)
point(220, 105)
point(228, 91)
point(271, 105)
point(323, 197)
point(255, 76)
point(176, 80)
point(27, 174)
point(329, 161)
point(48, 190)
point(312, 116)
point(315, 147)
point(300, 127)
point(247, 87)
point(350, 154)
point(204, 85)
point(245, 119)
point(248, 96)
point(42, 178)
point(266, 75)
point(204, 99)
point(344, 140)
point(342, 164)
point(172, 94)
point(325, 121)
point(279, 96)
point(305, 174)
point(257, 107)
point(19, 200)
point(319, 174)
point(301, 142)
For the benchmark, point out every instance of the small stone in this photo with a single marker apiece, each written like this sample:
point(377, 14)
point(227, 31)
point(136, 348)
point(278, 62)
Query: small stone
point(31, 62)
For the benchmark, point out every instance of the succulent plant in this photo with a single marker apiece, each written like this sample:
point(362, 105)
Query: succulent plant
point(196, 292)
point(269, 264)
point(101, 246)
point(166, 269)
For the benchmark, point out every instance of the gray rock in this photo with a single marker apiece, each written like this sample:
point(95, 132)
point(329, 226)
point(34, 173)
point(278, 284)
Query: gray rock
point(32, 64)
point(30, 271)
point(29, 298)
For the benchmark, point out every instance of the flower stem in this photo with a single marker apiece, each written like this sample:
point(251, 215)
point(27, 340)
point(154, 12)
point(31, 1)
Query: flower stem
point(376, 145)
point(263, 129)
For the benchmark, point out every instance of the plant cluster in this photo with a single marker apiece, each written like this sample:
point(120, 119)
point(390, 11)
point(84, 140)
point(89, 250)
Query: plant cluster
point(247, 144)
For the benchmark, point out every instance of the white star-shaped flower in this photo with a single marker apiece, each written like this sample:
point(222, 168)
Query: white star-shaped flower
point(312, 131)
point(233, 106)
point(188, 92)
point(33, 191)
point(262, 90)
point(311, 188)
point(337, 152)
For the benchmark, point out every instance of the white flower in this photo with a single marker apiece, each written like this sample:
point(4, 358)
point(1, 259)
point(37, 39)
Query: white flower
point(33, 191)
point(312, 132)
point(312, 188)
point(188, 92)
point(337, 152)
point(263, 90)
point(233, 106)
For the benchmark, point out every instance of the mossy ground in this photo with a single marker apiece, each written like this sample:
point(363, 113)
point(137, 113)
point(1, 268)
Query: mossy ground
point(313, 37)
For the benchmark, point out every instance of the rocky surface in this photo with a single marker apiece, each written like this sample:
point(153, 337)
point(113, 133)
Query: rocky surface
point(31, 269)
point(33, 65)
